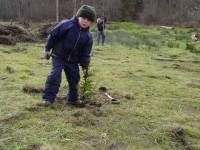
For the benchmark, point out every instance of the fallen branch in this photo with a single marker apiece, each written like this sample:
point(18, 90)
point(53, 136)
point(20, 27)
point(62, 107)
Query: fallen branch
point(166, 27)
point(197, 42)
point(170, 59)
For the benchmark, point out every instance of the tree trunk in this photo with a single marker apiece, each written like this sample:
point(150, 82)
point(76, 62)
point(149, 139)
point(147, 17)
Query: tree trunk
point(74, 1)
point(57, 11)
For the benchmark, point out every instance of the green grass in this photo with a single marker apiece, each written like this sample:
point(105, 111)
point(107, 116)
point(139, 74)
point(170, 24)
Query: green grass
point(163, 96)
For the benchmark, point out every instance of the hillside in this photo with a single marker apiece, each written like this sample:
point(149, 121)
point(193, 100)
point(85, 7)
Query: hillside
point(160, 100)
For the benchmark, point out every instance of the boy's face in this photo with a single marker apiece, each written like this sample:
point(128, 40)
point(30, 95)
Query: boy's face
point(84, 22)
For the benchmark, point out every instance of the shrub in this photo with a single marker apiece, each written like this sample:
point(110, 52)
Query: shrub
point(93, 29)
point(172, 45)
point(192, 48)
point(111, 27)
point(181, 37)
point(121, 37)
point(165, 32)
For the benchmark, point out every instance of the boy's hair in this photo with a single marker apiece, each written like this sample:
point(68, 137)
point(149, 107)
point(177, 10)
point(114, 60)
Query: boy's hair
point(87, 12)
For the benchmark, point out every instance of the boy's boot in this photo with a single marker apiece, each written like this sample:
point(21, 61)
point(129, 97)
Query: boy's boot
point(46, 103)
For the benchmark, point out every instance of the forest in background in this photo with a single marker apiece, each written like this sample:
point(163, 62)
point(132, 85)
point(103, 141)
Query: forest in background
point(166, 12)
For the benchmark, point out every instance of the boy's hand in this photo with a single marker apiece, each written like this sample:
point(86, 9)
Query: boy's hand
point(85, 68)
point(47, 55)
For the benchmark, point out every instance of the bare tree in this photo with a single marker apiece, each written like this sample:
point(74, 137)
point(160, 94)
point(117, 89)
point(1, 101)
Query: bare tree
point(74, 1)
point(57, 11)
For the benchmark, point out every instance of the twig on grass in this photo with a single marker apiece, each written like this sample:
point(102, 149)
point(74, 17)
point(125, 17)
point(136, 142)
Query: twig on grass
point(170, 59)
point(197, 42)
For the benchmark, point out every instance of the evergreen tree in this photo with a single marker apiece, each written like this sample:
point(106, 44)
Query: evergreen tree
point(86, 86)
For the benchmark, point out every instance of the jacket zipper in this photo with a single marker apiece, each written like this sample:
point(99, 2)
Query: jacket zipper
point(75, 45)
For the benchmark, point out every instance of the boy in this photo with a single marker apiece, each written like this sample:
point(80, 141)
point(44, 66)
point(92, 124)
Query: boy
point(71, 42)
point(101, 28)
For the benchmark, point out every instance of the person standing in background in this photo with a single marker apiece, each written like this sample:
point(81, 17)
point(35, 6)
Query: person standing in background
point(101, 28)
point(11, 22)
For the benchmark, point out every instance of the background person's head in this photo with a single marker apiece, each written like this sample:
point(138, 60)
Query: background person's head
point(99, 20)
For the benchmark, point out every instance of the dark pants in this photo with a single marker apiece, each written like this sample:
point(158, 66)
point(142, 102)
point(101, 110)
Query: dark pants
point(54, 79)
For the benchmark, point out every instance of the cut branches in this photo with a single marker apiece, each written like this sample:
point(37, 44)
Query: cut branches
point(166, 27)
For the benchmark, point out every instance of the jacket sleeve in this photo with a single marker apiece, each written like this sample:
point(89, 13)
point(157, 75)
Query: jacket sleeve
point(56, 34)
point(84, 56)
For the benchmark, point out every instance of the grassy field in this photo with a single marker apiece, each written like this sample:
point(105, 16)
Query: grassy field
point(160, 100)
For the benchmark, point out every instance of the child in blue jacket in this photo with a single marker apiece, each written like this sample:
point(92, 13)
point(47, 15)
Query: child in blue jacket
point(101, 28)
point(71, 44)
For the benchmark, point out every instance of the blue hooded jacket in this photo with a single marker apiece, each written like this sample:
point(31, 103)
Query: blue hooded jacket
point(70, 42)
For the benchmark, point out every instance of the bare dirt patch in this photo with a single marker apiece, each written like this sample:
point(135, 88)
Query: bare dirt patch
point(129, 97)
point(32, 146)
point(77, 114)
point(11, 34)
point(1, 128)
point(3, 78)
point(178, 134)
point(102, 89)
point(173, 56)
point(11, 30)
point(10, 69)
point(112, 59)
point(43, 63)
point(31, 89)
point(178, 67)
point(186, 69)
point(158, 77)
point(7, 40)
point(35, 107)
point(193, 85)
point(94, 142)
point(2, 136)
point(24, 24)
point(5, 51)
point(60, 99)
point(12, 117)
point(85, 121)
point(97, 49)
point(112, 146)
point(94, 108)
point(129, 74)
point(19, 50)
point(127, 61)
